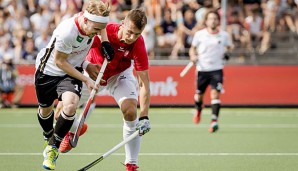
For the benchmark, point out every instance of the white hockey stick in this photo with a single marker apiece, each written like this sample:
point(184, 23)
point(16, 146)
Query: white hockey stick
point(186, 69)
point(135, 134)
point(74, 140)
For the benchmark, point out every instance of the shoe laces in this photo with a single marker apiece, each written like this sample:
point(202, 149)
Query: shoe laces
point(52, 154)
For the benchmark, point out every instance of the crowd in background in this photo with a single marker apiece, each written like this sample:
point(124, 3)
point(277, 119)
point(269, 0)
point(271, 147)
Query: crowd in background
point(26, 25)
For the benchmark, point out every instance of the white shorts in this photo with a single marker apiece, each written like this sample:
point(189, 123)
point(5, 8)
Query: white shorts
point(121, 86)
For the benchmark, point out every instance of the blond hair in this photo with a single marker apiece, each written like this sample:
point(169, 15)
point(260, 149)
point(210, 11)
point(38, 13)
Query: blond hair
point(97, 7)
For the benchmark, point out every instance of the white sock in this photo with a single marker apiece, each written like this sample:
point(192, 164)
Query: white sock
point(77, 121)
point(132, 148)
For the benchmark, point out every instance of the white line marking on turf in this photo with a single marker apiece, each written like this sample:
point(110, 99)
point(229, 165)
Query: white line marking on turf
point(167, 125)
point(161, 154)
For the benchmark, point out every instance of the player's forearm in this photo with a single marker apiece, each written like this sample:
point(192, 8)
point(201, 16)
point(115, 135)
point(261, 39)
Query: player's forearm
point(144, 100)
point(192, 54)
point(144, 87)
point(70, 70)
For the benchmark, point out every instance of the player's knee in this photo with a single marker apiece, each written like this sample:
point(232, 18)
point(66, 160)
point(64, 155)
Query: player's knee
point(198, 97)
point(69, 109)
point(130, 113)
point(45, 112)
point(215, 94)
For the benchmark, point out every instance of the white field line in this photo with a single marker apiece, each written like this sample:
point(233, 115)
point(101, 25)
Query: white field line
point(161, 154)
point(167, 126)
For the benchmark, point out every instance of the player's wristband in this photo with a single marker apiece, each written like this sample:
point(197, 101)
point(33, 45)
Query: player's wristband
point(143, 117)
point(85, 64)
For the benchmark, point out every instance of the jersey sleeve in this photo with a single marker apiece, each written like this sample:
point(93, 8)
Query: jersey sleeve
point(64, 41)
point(140, 57)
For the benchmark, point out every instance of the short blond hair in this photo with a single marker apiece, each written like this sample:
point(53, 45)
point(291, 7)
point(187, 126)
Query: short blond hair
point(97, 7)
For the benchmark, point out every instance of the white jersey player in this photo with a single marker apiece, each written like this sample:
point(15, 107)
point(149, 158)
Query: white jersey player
point(59, 74)
point(208, 51)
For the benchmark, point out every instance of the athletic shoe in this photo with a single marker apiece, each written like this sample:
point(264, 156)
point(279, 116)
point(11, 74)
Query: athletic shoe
point(131, 167)
point(50, 155)
point(65, 145)
point(213, 127)
point(197, 117)
point(46, 143)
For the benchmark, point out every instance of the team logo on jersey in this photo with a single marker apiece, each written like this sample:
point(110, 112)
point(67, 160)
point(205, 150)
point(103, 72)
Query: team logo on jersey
point(126, 53)
point(80, 39)
point(121, 49)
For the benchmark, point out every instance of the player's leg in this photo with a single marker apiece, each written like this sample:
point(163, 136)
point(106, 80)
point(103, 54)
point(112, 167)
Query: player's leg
point(202, 83)
point(65, 145)
point(68, 91)
point(66, 117)
point(124, 91)
point(46, 99)
point(45, 113)
point(216, 88)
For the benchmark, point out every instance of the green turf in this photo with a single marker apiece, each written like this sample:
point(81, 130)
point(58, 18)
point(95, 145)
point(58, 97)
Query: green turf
point(248, 140)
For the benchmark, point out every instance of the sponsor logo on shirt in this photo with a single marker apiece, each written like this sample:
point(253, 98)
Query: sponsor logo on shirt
point(80, 39)
point(126, 53)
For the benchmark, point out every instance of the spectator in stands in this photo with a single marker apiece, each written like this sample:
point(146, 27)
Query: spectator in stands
point(200, 13)
point(295, 8)
point(286, 12)
point(186, 30)
point(42, 40)
point(5, 48)
point(30, 52)
point(40, 19)
point(250, 5)
point(149, 35)
point(8, 75)
point(167, 33)
point(238, 34)
point(258, 36)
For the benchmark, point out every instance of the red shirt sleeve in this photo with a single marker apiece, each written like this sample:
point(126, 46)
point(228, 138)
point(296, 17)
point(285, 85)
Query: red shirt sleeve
point(140, 56)
point(94, 55)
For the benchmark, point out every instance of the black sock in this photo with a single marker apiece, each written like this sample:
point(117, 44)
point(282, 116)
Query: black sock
point(215, 110)
point(63, 125)
point(46, 124)
point(198, 105)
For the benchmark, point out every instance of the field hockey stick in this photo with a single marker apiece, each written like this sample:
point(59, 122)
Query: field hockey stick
point(74, 140)
point(135, 134)
point(186, 69)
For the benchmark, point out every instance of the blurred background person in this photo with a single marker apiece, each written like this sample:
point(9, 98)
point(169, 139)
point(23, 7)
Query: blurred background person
point(8, 75)
point(208, 51)
point(258, 36)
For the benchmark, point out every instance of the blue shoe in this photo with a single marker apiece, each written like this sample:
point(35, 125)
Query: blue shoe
point(50, 155)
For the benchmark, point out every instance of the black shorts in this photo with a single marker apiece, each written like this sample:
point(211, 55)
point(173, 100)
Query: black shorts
point(49, 88)
point(212, 78)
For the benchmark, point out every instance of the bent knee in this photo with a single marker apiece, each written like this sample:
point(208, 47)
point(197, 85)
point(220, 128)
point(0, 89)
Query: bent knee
point(69, 109)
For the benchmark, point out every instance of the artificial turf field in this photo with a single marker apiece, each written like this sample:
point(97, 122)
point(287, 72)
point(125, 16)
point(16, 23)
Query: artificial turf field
point(249, 139)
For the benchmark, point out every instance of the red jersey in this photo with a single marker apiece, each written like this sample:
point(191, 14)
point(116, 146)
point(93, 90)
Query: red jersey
point(124, 53)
